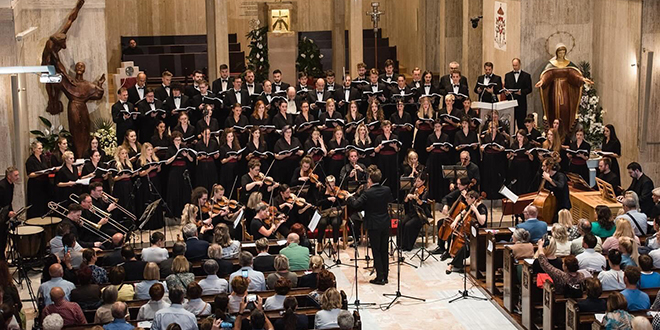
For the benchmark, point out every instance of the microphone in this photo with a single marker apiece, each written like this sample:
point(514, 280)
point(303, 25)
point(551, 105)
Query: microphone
point(186, 174)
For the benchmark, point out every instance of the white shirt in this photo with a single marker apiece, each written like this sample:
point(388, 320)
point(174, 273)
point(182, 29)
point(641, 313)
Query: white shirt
point(212, 284)
point(563, 249)
point(257, 279)
point(326, 319)
point(59, 282)
point(612, 280)
point(140, 91)
point(174, 314)
point(177, 102)
point(154, 254)
point(655, 254)
point(591, 260)
point(640, 219)
point(198, 307)
point(238, 96)
point(274, 302)
point(142, 288)
point(148, 310)
point(290, 108)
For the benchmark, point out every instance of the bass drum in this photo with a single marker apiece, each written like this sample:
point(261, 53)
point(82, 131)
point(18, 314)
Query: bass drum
point(28, 241)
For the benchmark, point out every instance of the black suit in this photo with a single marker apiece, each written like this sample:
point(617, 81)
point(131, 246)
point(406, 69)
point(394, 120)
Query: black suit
point(113, 258)
point(197, 114)
point(216, 86)
point(162, 93)
point(281, 87)
point(148, 123)
point(484, 96)
point(332, 87)
point(381, 87)
point(396, 94)
point(134, 270)
point(257, 88)
point(196, 249)
point(313, 96)
point(643, 187)
point(264, 263)
point(191, 91)
point(458, 100)
point(230, 98)
point(524, 83)
point(122, 124)
point(446, 81)
point(374, 201)
point(170, 104)
point(340, 96)
point(134, 96)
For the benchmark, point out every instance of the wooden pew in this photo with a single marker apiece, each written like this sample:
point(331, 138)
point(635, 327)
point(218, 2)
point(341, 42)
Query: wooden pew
point(494, 262)
point(531, 304)
point(478, 248)
point(576, 319)
point(509, 274)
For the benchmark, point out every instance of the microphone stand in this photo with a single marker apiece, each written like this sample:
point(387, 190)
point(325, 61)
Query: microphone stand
point(464, 294)
point(156, 193)
point(357, 302)
point(338, 261)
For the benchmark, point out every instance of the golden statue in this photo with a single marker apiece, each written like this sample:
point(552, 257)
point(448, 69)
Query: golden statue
point(561, 90)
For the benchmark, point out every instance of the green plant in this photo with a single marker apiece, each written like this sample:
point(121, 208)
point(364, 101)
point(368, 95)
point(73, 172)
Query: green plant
point(258, 57)
point(48, 136)
point(590, 114)
point(309, 58)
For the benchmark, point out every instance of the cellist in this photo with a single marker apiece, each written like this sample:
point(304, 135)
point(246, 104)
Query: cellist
point(557, 183)
point(451, 204)
point(476, 213)
point(417, 212)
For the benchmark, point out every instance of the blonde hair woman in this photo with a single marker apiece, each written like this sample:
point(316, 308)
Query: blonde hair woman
point(281, 264)
point(65, 179)
point(629, 254)
point(560, 236)
point(326, 318)
point(566, 219)
point(221, 236)
point(181, 275)
point(623, 229)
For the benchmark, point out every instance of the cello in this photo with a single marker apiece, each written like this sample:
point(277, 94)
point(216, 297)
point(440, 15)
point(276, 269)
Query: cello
point(463, 228)
point(545, 201)
point(444, 231)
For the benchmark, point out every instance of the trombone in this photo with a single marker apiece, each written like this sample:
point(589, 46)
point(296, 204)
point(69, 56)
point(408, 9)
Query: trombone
point(108, 198)
point(103, 214)
point(87, 224)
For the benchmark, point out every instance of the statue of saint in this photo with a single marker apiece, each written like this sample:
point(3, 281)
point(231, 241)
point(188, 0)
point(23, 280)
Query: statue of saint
point(561, 89)
point(76, 89)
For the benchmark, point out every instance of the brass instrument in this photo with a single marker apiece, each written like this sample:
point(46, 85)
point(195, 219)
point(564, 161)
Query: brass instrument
point(103, 214)
point(87, 224)
point(107, 197)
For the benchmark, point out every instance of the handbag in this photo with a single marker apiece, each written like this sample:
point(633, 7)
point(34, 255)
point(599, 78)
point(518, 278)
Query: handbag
point(541, 278)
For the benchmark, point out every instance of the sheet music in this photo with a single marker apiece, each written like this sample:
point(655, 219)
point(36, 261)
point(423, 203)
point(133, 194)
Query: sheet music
point(84, 182)
point(315, 221)
point(239, 216)
point(506, 192)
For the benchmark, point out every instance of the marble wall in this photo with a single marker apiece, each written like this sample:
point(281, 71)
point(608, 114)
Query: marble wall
point(7, 58)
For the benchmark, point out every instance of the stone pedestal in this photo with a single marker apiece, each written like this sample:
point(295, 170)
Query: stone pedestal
point(217, 36)
point(355, 40)
point(282, 54)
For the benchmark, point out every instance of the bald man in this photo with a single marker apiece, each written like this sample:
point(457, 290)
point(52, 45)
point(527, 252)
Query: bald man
point(56, 272)
point(114, 258)
point(298, 255)
point(119, 312)
point(70, 312)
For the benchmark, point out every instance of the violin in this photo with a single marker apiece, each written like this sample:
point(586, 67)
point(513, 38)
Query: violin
point(231, 203)
point(341, 194)
point(299, 201)
point(274, 217)
point(267, 180)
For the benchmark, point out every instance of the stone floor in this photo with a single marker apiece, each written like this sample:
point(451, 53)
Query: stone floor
point(429, 282)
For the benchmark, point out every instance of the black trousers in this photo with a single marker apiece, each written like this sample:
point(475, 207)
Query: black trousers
point(460, 257)
point(411, 225)
point(335, 222)
point(379, 238)
point(4, 232)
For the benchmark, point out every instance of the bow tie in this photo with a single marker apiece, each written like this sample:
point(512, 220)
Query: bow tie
point(374, 86)
point(347, 89)
point(167, 87)
point(140, 87)
point(516, 72)
point(123, 103)
point(237, 91)
point(177, 97)
point(488, 76)
point(151, 102)
point(250, 85)
point(429, 85)
point(319, 92)
point(456, 86)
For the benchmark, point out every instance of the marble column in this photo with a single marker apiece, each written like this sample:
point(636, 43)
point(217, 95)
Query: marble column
point(355, 40)
point(217, 36)
point(433, 36)
point(472, 42)
point(338, 41)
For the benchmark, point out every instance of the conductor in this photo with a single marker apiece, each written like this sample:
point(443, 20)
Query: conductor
point(374, 200)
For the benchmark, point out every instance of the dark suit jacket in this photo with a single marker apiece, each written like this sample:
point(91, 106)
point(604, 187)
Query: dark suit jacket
point(283, 86)
point(395, 93)
point(381, 87)
point(458, 101)
point(643, 187)
point(161, 93)
point(335, 86)
point(374, 202)
point(147, 122)
point(524, 84)
point(196, 249)
point(191, 91)
point(225, 267)
point(216, 86)
point(264, 263)
point(446, 81)
point(171, 120)
point(134, 270)
point(133, 95)
point(354, 94)
point(113, 258)
point(122, 124)
point(230, 98)
point(498, 86)
point(258, 88)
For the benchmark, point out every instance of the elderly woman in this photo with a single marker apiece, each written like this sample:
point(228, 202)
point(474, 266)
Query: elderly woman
point(521, 247)
point(181, 275)
point(230, 248)
point(103, 313)
point(195, 303)
point(568, 281)
point(281, 264)
point(151, 276)
point(331, 306)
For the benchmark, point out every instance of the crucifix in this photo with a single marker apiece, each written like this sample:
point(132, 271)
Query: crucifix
point(280, 24)
point(375, 18)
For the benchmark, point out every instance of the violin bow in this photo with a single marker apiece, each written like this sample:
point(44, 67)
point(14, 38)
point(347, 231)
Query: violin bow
point(231, 192)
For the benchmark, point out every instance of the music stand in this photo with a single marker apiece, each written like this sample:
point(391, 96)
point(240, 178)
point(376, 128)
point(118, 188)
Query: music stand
point(577, 181)
point(453, 172)
point(606, 190)
point(148, 213)
point(406, 183)
point(506, 192)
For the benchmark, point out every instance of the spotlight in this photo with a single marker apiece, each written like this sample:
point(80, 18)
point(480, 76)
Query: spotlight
point(475, 21)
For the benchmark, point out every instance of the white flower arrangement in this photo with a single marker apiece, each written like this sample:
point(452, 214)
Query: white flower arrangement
point(590, 115)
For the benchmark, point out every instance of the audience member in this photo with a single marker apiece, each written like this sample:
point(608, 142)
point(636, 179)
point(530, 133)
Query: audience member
point(151, 276)
point(637, 299)
point(550, 254)
point(56, 272)
point(298, 255)
point(326, 280)
point(623, 229)
point(225, 267)
point(155, 303)
point(52, 322)
point(179, 249)
point(257, 279)
point(239, 286)
point(195, 248)
point(175, 313)
point(181, 275)
point(584, 227)
point(282, 287)
point(532, 224)
point(212, 284)
point(565, 218)
point(560, 234)
point(617, 316)
point(119, 312)
point(637, 219)
point(70, 312)
point(326, 318)
point(593, 303)
point(104, 313)
point(125, 291)
point(157, 251)
point(264, 261)
point(567, 281)
point(345, 320)
point(629, 252)
point(195, 304)
point(230, 248)
point(604, 226)
point(612, 279)
point(590, 260)
point(521, 247)
point(86, 295)
point(99, 274)
point(134, 268)
point(281, 270)
point(290, 320)
point(315, 266)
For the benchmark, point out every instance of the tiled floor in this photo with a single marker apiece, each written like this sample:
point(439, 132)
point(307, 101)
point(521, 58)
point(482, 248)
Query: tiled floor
point(428, 282)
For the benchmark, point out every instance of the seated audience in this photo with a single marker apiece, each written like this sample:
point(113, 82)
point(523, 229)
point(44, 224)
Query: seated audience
point(281, 270)
point(290, 320)
point(584, 227)
point(326, 280)
point(521, 247)
point(114, 258)
point(119, 311)
point(104, 313)
point(298, 255)
point(593, 303)
point(239, 286)
point(565, 218)
point(612, 279)
point(642, 323)
point(155, 303)
point(179, 249)
point(125, 291)
point(86, 295)
point(567, 281)
point(649, 278)
point(326, 318)
point(604, 226)
point(282, 287)
point(550, 254)
point(70, 312)
point(151, 276)
point(175, 313)
point(346, 321)
point(560, 234)
point(315, 266)
point(157, 251)
point(617, 316)
point(591, 260)
point(195, 304)
point(257, 279)
point(532, 224)
point(264, 261)
point(257, 320)
point(636, 218)
point(195, 247)
point(181, 275)
point(629, 252)
point(637, 299)
point(212, 284)
point(56, 272)
point(230, 248)
point(225, 267)
point(99, 274)
point(623, 229)
point(52, 322)
point(300, 229)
